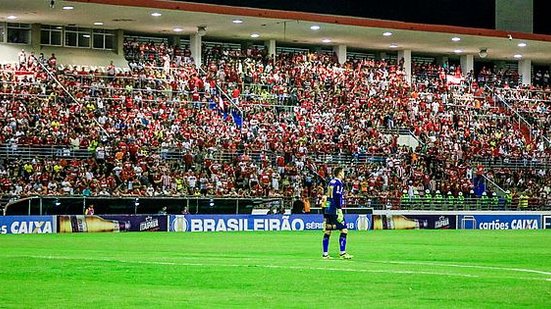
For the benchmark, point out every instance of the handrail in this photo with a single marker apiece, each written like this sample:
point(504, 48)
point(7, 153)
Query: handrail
point(228, 98)
point(66, 91)
point(171, 153)
point(516, 114)
point(500, 189)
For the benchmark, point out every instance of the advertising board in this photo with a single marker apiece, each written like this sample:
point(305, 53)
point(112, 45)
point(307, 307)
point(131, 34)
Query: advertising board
point(499, 222)
point(111, 223)
point(27, 224)
point(224, 223)
point(410, 222)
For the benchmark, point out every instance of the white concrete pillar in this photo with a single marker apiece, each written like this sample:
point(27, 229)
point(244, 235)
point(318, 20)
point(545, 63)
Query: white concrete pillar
point(406, 55)
point(119, 36)
point(195, 47)
point(467, 64)
point(35, 38)
point(271, 45)
point(340, 50)
point(525, 71)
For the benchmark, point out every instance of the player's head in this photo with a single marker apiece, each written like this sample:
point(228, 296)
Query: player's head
point(338, 172)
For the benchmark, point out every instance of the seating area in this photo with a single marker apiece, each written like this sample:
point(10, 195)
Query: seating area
point(245, 124)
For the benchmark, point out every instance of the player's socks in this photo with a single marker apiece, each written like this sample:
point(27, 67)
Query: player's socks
point(325, 243)
point(342, 242)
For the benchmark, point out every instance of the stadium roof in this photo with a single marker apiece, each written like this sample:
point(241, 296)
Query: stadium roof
point(284, 26)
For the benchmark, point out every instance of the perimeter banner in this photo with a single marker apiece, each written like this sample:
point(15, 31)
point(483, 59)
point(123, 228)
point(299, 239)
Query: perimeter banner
point(499, 222)
point(27, 225)
point(411, 222)
point(111, 223)
point(225, 223)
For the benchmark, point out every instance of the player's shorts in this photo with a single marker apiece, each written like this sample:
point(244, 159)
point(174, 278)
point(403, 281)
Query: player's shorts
point(330, 222)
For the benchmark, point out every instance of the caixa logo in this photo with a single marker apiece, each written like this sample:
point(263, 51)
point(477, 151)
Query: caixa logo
point(547, 222)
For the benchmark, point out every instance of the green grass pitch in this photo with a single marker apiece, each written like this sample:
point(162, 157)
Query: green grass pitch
point(391, 269)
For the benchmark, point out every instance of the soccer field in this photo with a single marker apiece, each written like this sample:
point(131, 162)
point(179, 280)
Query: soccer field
point(277, 269)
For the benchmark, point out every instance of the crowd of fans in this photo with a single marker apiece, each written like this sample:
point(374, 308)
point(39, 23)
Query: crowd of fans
point(246, 124)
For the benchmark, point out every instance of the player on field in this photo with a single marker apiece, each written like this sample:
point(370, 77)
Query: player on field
point(333, 218)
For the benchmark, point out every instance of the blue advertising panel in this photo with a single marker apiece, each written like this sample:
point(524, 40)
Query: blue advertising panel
point(223, 223)
point(27, 224)
point(499, 222)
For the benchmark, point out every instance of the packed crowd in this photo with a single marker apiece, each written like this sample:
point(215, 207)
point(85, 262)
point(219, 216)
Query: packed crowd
point(130, 119)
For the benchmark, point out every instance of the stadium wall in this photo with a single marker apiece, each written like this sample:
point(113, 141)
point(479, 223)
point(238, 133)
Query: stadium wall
point(70, 56)
point(225, 223)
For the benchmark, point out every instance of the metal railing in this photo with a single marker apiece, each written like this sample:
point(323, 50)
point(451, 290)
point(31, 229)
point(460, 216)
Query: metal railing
point(74, 205)
point(519, 117)
point(514, 163)
point(26, 152)
point(57, 205)
point(54, 78)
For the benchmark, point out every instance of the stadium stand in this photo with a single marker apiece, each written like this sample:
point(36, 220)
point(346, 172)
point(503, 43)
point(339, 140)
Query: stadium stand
point(245, 124)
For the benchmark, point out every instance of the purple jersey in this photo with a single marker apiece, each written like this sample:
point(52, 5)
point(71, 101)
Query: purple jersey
point(335, 200)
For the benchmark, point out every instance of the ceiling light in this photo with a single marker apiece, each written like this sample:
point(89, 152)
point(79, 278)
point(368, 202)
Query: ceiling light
point(255, 35)
point(11, 17)
point(68, 7)
point(315, 27)
point(517, 56)
point(387, 33)
point(156, 14)
point(393, 46)
point(456, 39)
point(483, 53)
point(458, 51)
point(86, 35)
point(177, 29)
point(326, 40)
point(98, 23)
point(522, 44)
point(201, 30)
point(237, 21)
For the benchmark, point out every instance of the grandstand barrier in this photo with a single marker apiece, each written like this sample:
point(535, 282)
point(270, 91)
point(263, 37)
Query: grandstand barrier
point(126, 205)
point(200, 205)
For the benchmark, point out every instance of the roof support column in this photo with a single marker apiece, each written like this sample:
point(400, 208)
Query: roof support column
point(467, 64)
point(406, 56)
point(271, 45)
point(195, 47)
point(525, 71)
point(35, 38)
point(120, 41)
point(340, 50)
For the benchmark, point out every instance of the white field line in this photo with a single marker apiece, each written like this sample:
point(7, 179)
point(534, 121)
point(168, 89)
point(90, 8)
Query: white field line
point(289, 267)
point(52, 257)
point(523, 270)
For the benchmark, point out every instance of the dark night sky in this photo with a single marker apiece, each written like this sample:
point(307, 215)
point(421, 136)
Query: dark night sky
point(467, 13)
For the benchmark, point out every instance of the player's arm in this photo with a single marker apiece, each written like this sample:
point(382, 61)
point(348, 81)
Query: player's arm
point(339, 202)
point(337, 195)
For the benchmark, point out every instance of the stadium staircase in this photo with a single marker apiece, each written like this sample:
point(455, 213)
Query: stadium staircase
point(522, 124)
point(66, 91)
